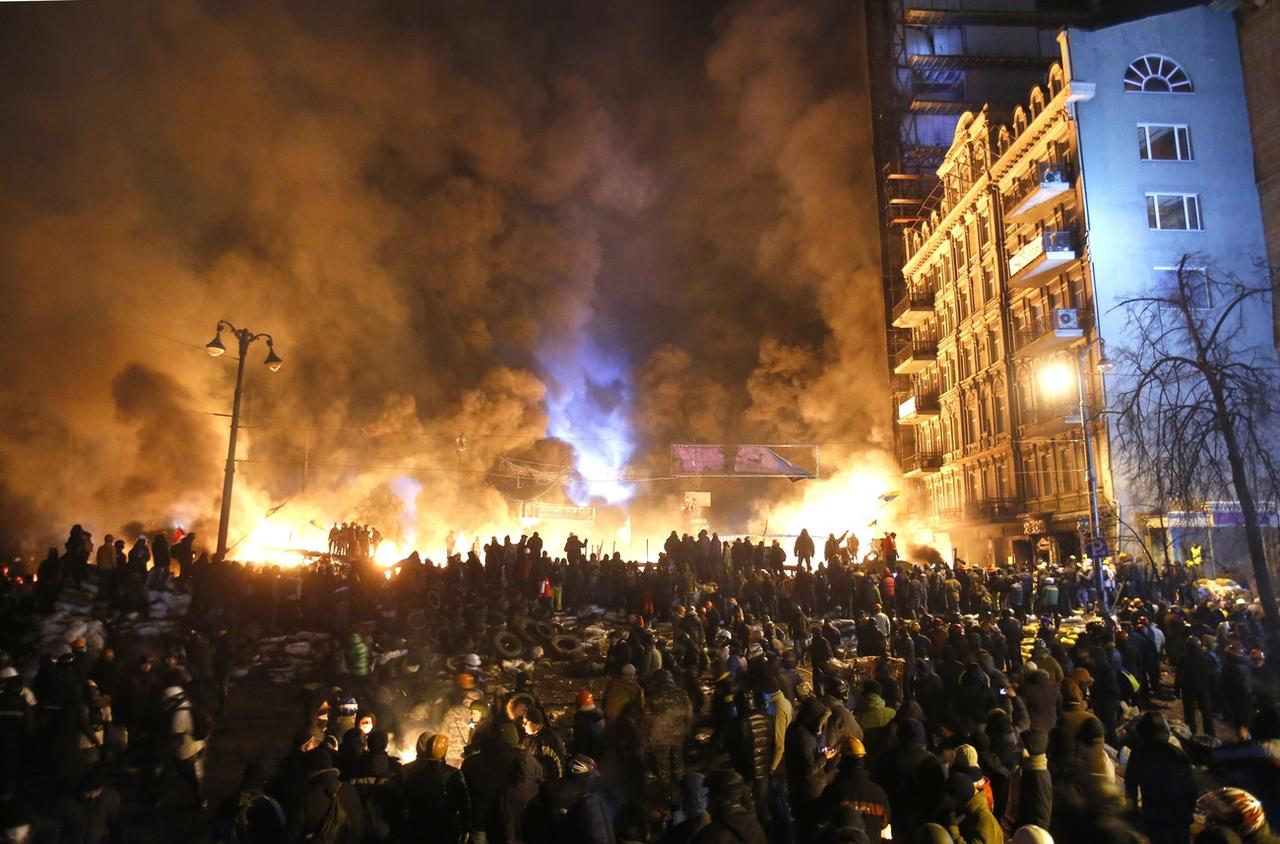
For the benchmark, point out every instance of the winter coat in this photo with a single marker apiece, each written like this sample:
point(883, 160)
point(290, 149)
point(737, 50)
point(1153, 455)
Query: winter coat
point(734, 825)
point(437, 804)
point(1158, 780)
point(1042, 699)
point(588, 730)
point(873, 713)
point(618, 694)
point(324, 788)
point(487, 774)
point(854, 788)
point(808, 772)
point(576, 813)
point(750, 745)
point(456, 724)
point(358, 657)
point(976, 824)
point(668, 715)
point(1030, 795)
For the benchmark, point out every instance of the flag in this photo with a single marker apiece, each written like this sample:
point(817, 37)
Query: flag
point(624, 532)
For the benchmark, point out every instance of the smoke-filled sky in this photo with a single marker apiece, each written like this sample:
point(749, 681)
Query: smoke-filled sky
point(625, 224)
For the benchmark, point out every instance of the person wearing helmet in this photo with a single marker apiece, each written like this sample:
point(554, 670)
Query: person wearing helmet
point(588, 726)
point(854, 787)
point(1238, 811)
point(436, 798)
point(469, 735)
point(1195, 683)
point(575, 812)
point(841, 724)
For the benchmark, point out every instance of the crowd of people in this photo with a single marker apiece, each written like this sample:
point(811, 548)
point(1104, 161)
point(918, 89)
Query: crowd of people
point(743, 699)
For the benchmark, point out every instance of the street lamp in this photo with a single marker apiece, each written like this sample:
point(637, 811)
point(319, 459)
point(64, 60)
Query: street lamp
point(1056, 378)
point(244, 338)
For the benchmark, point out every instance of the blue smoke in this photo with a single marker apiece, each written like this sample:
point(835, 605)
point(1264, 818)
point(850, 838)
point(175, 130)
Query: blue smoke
point(587, 403)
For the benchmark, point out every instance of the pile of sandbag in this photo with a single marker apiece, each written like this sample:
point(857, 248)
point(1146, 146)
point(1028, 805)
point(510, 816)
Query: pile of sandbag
point(59, 630)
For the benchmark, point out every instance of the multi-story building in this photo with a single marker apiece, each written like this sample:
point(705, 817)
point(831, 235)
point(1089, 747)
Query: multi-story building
point(1134, 151)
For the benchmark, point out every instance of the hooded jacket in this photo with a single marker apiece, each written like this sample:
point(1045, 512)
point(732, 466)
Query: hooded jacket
point(323, 788)
point(668, 713)
point(808, 770)
point(437, 804)
point(975, 824)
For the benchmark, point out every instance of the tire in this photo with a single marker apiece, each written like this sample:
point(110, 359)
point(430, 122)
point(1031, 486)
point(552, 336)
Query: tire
point(542, 631)
point(507, 645)
point(523, 627)
point(562, 646)
point(540, 612)
point(434, 600)
point(417, 620)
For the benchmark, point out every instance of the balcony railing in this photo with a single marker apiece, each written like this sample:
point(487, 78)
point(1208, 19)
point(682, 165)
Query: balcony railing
point(1048, 334)
point(1036, 260)
point(1049, 181)
point(921, 463)
point(914, 408)
point(993, 509)
point(914, 356)
point(913, 309)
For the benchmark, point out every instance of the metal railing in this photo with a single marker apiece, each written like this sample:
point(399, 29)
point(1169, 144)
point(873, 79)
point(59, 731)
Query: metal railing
point(922, 349)
point(1045, 173)
point(922, 461)
point(1024, 335)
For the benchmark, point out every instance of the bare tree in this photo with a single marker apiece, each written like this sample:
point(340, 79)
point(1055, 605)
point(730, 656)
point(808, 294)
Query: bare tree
point(1197, 401)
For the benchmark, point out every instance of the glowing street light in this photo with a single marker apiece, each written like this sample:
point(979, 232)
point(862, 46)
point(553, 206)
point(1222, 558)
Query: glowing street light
point(244, 338)
point(1055, 379)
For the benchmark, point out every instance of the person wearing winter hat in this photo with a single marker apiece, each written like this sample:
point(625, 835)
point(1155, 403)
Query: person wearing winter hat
point(966, 762)
point(1032, 834)
point(971, 820)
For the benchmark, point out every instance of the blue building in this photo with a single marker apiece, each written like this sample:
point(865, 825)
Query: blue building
point(1134, 152)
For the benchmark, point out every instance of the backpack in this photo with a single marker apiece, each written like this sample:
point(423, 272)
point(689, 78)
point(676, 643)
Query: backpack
point(333, 827)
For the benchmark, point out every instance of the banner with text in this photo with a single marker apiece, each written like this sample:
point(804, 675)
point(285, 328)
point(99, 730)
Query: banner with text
point(556, 512)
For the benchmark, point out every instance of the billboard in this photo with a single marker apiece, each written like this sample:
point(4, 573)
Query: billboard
point(556, 512)
point(795, 462)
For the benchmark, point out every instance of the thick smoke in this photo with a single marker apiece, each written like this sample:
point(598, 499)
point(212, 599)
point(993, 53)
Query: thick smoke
point(624, 224)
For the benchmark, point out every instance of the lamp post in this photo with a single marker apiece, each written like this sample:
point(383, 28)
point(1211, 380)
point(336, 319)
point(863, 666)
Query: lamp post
point(1086, 426)
point(1056, 377)
point(244, 337)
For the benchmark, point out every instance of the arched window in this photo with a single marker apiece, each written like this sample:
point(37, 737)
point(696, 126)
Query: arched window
point(1156, 74)
point(1037, 102)
point(1019, 121)
point(1055, 79)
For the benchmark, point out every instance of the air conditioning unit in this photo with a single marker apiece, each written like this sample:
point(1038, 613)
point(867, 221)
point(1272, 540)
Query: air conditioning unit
point(1066, 319)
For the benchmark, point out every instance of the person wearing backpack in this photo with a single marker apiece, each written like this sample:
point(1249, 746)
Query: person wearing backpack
point(250, 816)
point(188, 732)
point(330, 811)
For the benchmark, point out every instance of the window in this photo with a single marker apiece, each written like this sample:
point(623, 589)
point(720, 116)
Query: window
point(1174, 212)
point(1155, 74)
point(1199, 293)
point(1157, 142)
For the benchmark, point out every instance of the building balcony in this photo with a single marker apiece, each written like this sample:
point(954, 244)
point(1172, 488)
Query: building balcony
point(992, 510)
point(912, 310)
point(1050, 181)
point(915, 408)
point(1041, 258)
point(1049, 420)
point(921, 463)
point(914, 357)
point(1063, 329)
point(970, 61)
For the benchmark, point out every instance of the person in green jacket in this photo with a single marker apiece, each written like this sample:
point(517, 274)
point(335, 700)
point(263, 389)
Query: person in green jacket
point(358, 660)
point(971, 820)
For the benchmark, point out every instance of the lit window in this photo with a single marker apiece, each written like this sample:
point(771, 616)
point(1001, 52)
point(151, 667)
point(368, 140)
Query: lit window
point(1194, 279)
point(1174, 212)
point(1155, 74)
point(1158, 142)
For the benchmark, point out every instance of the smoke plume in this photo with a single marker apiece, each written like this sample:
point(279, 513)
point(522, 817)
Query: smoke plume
point(618, 225)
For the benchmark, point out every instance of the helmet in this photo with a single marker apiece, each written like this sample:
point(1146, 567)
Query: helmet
point(582, 765)
point(1232, 807)
point(584, 698)
point(466, 681)
point(471, 660)
point(850, 746)
point(838, 689)
point(480, 708)
point(433, 746)
point(348, 708)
